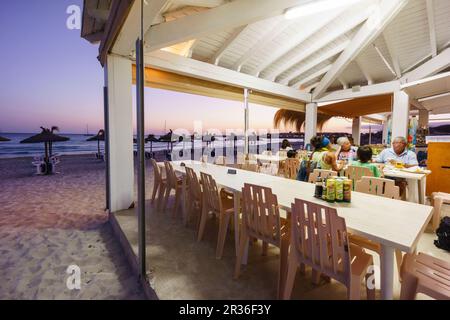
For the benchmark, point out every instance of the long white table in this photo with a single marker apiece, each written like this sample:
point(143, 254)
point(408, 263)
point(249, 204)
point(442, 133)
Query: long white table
point(394, 224)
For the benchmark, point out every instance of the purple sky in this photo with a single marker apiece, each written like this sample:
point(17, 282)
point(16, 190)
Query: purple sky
point(50, 76)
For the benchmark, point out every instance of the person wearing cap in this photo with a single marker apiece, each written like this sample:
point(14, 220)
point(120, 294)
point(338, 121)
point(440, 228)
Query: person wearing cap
point(324, 155)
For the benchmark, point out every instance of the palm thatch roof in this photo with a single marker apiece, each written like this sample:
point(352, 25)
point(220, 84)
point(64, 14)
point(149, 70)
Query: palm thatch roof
point(99, 137)
point(45, 136)
point(297, 118)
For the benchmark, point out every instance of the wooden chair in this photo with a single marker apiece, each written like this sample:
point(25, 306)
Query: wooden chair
point(437, 200)
point(355, 173)
point(383, 188)
point(240, 159)
point(425, 274)
point(261, 220)
point(194, 194)
point(173, 183)
point(319, 240)
point(378, 186)
point(221, 204)
point(159, 183)
point(250, 165)
point(321, 173)
point(291, 166)
point(220, 160)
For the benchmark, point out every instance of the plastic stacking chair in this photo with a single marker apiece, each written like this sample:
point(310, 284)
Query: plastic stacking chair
point(194, 195)
point(321, 173)
point(219, 203)
point(291, 167)
point(425, 274)
point(319, 240)
point(261, 220)
point(437, 200)
point(159, 183)
point(173, 183)
point(378, 186)
point(355, 173)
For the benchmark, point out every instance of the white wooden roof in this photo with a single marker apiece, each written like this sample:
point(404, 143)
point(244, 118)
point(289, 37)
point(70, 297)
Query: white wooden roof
point(367, 43)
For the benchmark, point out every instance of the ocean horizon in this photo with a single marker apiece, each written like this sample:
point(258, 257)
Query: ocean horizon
point(78, 145)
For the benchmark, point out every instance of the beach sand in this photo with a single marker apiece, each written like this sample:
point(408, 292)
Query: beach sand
point(50, 222)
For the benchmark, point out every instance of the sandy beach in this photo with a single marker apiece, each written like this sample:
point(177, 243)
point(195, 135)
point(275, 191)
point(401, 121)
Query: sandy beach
point(50, 222)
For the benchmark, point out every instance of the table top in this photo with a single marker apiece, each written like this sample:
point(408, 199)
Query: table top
point(395, 223)
point(405, 173)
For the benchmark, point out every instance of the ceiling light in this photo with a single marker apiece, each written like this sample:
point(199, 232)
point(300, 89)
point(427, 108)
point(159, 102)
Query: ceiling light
point(316, 7)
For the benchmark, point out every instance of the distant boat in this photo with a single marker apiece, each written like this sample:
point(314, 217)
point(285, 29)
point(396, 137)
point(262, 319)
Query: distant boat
point(87, 134)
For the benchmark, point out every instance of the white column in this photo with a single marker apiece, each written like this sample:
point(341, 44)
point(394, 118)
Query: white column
point(356, 130)
point(385, 130)
point(310, 121)
point(424, 117)
point(400, 115)
point(120, 113)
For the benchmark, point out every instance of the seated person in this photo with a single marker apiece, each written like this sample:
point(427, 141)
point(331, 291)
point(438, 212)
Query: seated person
point(345, 151)
point(323, 155)
point(364, 154)
point(333, 143)
point(291, 154)
point(286, 145)
point(398, 153)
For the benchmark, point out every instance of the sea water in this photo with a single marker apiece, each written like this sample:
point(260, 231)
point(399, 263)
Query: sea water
point(78, 145)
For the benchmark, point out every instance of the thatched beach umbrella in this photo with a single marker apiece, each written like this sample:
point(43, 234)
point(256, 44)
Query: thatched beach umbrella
point(47, 137)
point(151, 138)
point(3, 139)
point(99, 137)
point(170, 138)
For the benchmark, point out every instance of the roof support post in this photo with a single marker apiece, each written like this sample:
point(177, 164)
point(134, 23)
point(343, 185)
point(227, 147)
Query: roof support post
point(400, 115)
point(356, 130)
point(310, 122)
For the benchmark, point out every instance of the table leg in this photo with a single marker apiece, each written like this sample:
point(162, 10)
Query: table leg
point(413, 191)
point(184, 200)
point(237, 230)
point(237, 201)
point(421, 185)
point(387, 272)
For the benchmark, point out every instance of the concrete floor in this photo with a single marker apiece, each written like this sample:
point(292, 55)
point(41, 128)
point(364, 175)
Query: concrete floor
point(182, 268)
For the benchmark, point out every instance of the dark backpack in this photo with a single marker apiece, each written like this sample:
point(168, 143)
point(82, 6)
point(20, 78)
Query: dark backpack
point(443, 233)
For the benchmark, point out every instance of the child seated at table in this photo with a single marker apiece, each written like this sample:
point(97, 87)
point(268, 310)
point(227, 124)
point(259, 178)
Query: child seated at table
point(364, 154)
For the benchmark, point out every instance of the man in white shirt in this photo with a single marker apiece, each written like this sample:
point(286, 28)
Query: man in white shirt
point(399, 153)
